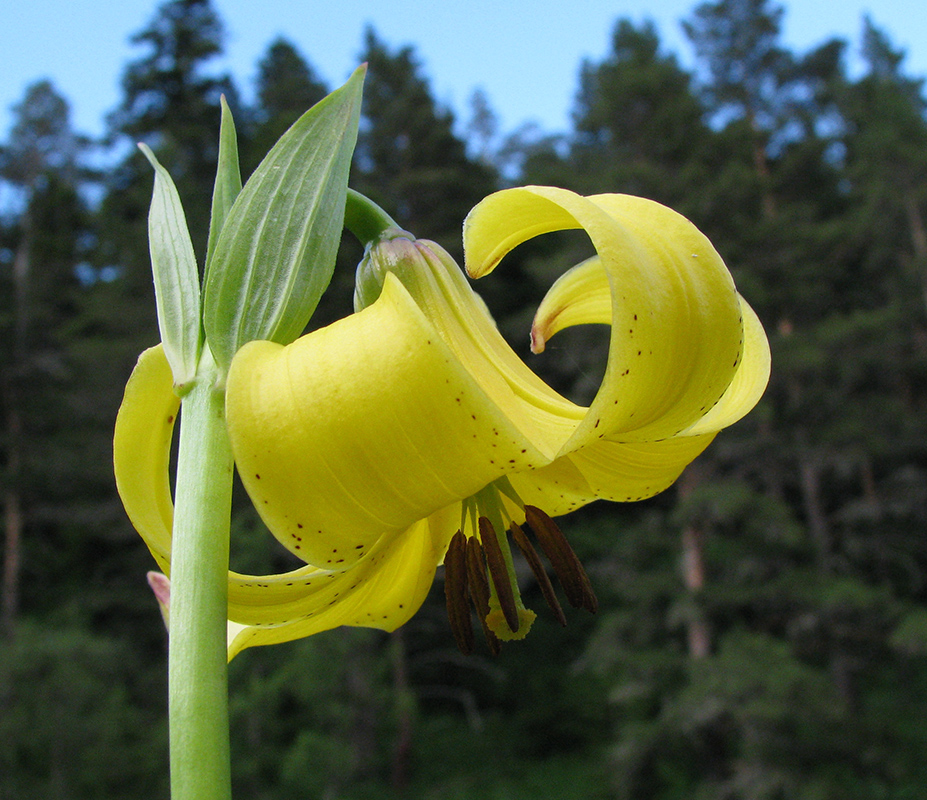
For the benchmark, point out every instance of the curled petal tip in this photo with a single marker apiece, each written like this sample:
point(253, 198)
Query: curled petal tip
point(161, 586)
point(479, 269)
point(538, 340)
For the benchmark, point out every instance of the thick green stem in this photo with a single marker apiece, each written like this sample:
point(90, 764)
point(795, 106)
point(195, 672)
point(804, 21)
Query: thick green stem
point(365, 219)
point(197, 664)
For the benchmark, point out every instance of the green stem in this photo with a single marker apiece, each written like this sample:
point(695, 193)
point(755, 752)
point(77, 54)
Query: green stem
point(365, 219)
point(197, 662)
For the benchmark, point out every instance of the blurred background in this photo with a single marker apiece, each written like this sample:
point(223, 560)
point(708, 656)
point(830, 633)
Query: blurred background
point(762, 632)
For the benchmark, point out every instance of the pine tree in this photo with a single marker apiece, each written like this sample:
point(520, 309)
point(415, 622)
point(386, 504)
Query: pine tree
point(171, 102)
point(43, 161)
point(886, 158)
point(409, 159)
point(638, 124)
point(775, 517)
point(738, 43)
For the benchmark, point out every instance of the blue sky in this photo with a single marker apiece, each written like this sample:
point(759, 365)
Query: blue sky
point(525, 54)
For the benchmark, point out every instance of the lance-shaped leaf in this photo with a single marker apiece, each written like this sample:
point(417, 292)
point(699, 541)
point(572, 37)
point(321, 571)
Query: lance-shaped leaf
point(276, 252)
point(176, 279)
point(228, 179)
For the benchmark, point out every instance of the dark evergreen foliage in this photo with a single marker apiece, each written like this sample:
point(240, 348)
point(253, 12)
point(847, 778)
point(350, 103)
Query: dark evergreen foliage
point(409, 159)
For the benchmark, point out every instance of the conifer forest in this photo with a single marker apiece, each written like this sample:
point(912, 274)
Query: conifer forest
point(762, 625)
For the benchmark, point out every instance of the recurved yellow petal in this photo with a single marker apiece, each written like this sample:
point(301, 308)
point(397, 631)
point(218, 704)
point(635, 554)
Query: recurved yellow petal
point(275, 600)
point(608, 470)
point(581, 296)
point(676, 329)
point(750, 379)
point(141, 451)
point(460, 318)
point(383, 591)
point(334, 464)
point(503, 220)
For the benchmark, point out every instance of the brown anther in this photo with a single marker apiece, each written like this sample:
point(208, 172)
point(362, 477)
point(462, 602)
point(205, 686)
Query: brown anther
point(495, 561)
point(534, 561)
point(566, 565)
point(479, 590)
point(455, 593)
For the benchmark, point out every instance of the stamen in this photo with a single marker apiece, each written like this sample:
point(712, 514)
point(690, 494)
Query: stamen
point(479, 590)
point(569, 570)
point(499, 573)
point(455, 593)
point(534, 561)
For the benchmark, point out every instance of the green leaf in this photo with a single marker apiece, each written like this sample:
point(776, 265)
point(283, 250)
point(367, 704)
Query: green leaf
point(228, 179)
point(176, 279)
point(276, 252)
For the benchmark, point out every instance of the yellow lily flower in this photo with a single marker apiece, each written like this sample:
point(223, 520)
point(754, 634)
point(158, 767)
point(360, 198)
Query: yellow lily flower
point(409, 432)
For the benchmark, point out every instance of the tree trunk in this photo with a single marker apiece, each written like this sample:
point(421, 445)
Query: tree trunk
point(809, 471)
point(693, 573)
point(761, 166)
point(13, 526)
point(363, 726)
point(12, 496)
point(404, 698)
point(918, 238)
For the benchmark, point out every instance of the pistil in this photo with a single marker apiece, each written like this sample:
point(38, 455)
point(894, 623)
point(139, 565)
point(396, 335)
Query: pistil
point(502, 580)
